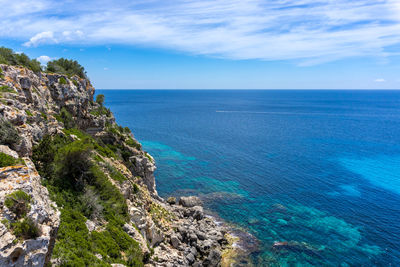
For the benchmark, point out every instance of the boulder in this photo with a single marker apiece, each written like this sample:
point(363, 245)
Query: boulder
point(189, 202)
point(171, 200)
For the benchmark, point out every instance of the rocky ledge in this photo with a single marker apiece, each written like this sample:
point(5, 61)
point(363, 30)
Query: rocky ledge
point(38, 107)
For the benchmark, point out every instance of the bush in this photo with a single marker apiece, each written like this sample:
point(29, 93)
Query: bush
point(26, 229)
point(66, 118)
point(18, 203)
point(91, 205)
point(75, 246)
point(72, 165)
point(7, 56)
point(8, 134)
point(114, 173)
point(6, 89)
point(67, 67)
point(7, 160)
point(100, 99)
point(62, 80)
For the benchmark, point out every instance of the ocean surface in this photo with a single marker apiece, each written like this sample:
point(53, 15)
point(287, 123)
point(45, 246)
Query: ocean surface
point(318, 169)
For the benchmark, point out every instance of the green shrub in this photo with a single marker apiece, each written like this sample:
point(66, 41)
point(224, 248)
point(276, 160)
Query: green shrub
point(135, 188)
point(130, 142)
point(100, 99)
point(66, 118)
point(6, 89)
point(115, 174)
point(75, 82)
point(26, 229)
point(28, 113)
point(7, 160)
point(62, 80)
point(101, 111)
point(91, 206)
point(44, 115)
point(7, 56)
point(18, 203)
point(75, 246)
point(66, 67)
point(8, 134)
point(148, 156)
point(72, 165)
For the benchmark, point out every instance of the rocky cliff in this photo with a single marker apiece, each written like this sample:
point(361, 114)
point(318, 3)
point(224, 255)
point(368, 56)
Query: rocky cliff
point(78, 190)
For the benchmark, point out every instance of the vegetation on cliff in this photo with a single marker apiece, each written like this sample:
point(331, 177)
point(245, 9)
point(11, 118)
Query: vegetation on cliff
point(67, 67)
point(80, 187)
point(9, 57)
point(61, 66)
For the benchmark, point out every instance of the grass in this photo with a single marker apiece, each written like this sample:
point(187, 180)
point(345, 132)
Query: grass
point(6, 89)
point(18, 203)
point(114, 173)
point(62, 80)
point(44, 116)
point(28, 113)
point(7, 160)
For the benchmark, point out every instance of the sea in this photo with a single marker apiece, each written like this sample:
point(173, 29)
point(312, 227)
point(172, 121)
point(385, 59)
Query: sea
point(318, 169)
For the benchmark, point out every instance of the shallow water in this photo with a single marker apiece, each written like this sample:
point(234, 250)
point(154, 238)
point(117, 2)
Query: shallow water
point(319, 169)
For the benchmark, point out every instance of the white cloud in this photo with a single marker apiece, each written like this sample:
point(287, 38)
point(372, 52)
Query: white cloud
point(379, 80)
point(41, 38)
point(43, 59)
point(306, 31)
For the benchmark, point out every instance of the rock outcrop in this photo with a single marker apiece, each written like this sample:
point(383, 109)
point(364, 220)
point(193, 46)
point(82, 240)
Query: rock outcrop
point(39, 104)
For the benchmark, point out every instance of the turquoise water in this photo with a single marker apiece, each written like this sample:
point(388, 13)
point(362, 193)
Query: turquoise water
point(318, 169)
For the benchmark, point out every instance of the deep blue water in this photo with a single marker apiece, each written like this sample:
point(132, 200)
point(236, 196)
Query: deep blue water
point(319, 167)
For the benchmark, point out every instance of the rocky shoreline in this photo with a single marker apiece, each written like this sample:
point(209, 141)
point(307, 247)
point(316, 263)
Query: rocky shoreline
point(169, 233)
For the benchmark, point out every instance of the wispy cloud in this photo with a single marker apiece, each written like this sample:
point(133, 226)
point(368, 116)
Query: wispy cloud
point(379, 80)
point(307, 31)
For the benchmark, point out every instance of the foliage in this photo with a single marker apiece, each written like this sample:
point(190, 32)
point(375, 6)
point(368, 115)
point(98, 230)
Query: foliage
point(130, 142)
point(44, 116)
point(29, 113)
point(8, 134)
point(66, 67)
point(75, 246)
point(66, 118)
point(91, 205)
point(62, 80)
point(7, 160)
point(18, 203)
point(135, 188)
point(95, 197)
point(101, 111)
point(100, 99)
point(148, 156)
point(114, 173)
point(6, 89)
point(72, 164)
point(9, 57)
point(26, 229)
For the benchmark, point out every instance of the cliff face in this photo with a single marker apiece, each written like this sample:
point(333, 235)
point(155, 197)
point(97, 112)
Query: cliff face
point(39, 112)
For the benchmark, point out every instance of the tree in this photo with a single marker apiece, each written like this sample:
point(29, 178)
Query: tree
point(100, 99)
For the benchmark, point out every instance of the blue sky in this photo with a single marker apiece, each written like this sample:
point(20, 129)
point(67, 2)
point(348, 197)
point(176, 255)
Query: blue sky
point(221, 44)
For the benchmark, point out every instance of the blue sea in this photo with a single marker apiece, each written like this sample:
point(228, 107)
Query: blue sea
point(318, 169)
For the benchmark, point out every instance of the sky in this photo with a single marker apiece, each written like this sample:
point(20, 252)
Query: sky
point(214, 44)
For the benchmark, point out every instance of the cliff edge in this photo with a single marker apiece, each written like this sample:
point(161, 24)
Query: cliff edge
point(78, 190)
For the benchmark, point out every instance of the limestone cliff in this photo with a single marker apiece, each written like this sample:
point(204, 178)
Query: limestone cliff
point(35, 110)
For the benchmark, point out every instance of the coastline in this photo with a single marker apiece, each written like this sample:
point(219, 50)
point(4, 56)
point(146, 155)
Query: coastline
point(55, 121)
